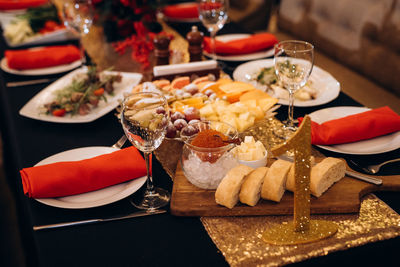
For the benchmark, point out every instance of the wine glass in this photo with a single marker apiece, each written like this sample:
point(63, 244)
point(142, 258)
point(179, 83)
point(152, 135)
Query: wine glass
point(144, 118)
point(213, 14)
point(78, 17)
point(294, 62)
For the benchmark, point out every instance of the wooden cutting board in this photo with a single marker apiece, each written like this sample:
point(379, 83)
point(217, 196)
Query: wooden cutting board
point(342, 197)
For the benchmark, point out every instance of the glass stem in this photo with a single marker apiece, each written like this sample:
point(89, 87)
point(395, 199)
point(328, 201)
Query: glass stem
point(290, 123)
point(147, 158)
point(82, 50)
point(213, 33)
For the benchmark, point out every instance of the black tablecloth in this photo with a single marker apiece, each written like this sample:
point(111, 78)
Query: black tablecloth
point(160, 240)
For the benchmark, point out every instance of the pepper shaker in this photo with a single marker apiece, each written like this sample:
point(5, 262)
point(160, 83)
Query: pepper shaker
point(161, 51)
point(195, 40)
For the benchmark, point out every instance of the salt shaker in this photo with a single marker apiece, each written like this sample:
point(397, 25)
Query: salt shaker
point(161, 51)
point(195, 40)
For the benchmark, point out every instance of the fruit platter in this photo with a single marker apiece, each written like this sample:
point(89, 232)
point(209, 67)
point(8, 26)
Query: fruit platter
point(193, 98)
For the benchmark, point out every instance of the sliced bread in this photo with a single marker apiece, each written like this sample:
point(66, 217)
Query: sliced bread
point(325, 174)
point(227, 193)
point(275, 181)
point(251, 187)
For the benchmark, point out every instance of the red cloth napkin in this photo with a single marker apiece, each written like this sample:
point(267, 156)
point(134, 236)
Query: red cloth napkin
point(20, 4)
point(42, 57)
point(182, 11)
point(70, 178)
point(251, 44)
point(361, 126)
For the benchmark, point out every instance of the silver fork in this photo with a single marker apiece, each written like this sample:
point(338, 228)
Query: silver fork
point(372, 169)
point(375, 168)
point(120, 142)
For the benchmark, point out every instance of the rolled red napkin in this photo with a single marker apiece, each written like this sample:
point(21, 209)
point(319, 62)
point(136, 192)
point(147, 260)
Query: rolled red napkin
point(181, 11)
point(71, 178)
point(42, 57)
point(251, 44)
point(20, 4)
point(357, 127)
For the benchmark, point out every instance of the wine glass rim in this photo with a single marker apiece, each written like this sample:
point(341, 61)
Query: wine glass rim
point(307, 44)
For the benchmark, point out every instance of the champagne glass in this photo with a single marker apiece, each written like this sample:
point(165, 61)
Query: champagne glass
point(144, 118)
point(78, 17)
point(213, 14)
point(294, 62)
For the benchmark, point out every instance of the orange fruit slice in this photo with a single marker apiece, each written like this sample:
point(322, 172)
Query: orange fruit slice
point(180, 82)
point(201, 79)
point(178, 106)
point(204, 85)
point(161, 83)
point(196, 102)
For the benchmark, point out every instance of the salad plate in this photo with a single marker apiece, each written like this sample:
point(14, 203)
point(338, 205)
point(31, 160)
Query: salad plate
point(95, 198)
point(39, 39)
point(34, 108)
point(41, 71)
point(326, 86)
point(375, 145)
point(244, 57)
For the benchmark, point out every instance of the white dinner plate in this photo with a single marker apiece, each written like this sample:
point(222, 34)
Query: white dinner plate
point(41, 71)
point(95, 198)
point(45, 38)
point(375, 145)
point(34, 108)
point(244, 57)
point(6, 16)
point(327, 86)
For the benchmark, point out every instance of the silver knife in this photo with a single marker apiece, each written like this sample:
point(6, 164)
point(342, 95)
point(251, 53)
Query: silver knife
point(30, 82)
point(359, 176)
point(132, 215)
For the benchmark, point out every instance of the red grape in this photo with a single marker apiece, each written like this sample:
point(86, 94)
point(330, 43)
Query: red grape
point(160, 110)
point(190, 130)
point(179, 124)
point(177, 115)
point(191, 113)
point(171, 130)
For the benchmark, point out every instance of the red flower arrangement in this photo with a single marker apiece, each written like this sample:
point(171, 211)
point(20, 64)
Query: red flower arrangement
point(129, 23)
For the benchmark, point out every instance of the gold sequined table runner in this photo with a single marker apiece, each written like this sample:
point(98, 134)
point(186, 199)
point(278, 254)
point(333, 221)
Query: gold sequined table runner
point(239, 238)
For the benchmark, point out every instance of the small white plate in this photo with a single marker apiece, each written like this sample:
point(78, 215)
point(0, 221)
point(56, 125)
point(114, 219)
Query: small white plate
point(42, 71)
point(95, 198)
point(33, 109)
point(328, 87)
point(244, 57)
point(375, 145)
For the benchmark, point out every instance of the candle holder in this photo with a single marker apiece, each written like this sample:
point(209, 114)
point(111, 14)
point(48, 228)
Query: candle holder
point(302, 229)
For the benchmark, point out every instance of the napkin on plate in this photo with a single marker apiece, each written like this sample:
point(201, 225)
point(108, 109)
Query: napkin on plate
point(42, 57)
point(181, 11)
point(76, 177)
point(357, 127)
point(251, 44)
point(20, 4)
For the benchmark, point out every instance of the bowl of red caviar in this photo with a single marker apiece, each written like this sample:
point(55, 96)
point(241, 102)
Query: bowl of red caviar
point(206, 154)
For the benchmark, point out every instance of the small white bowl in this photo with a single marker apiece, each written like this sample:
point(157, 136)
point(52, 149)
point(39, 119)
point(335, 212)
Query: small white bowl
point(255, 163)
